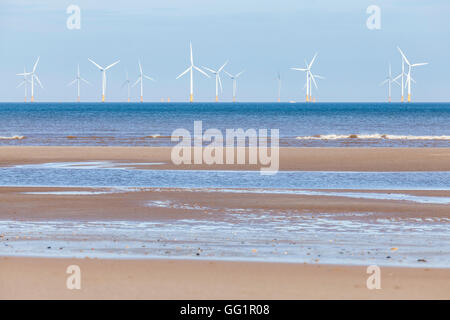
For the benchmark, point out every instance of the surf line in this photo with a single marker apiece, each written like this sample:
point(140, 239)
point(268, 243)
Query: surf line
point(190, 149)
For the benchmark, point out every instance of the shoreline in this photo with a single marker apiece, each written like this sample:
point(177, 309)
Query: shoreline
point(43, 278)
point(291, 159)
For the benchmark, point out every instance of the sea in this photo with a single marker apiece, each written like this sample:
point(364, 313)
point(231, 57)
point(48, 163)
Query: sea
point(299, 124)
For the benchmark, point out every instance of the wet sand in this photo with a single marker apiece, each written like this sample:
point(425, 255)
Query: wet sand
point(16, 204)
point(40, 278)
point(307, 159)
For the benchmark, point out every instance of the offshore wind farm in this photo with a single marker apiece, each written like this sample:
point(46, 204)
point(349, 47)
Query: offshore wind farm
point(311, 79)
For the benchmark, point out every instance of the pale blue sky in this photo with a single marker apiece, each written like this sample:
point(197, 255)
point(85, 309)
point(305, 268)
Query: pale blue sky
point(262, 37)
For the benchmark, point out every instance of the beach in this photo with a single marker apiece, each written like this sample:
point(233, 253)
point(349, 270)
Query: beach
point(307, 159)
point(161, 264)
point(39, 278)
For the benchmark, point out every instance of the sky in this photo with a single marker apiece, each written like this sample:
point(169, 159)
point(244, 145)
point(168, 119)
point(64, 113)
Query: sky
point(259, 36)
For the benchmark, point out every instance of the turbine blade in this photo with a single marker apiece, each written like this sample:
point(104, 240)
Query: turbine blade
point(210, 70)
point(149, 78)
point(35, 64)
point(21, 84)
point(403, 55)
point(240, 73)
point(137, 81)
point(192, 57)
point(112, 65)
point(314, 80)
point(140, 67)
point(38, 81)
point(201, 71)
point(87, 82)
point(230, 75)
point(184, 72)
point(93, 62)
point(383, 82)
point(419, 64)
point(312, 61)
point(221, 68)
point(72, 82)
point(220, 83)
point(299, 69)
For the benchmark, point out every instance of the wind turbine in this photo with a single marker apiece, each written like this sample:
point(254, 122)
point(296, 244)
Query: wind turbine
point(103, 71)
point(217, 77)
point(127, 83)
point(33, 76)
point(218, 81)
point(408, 76)
point(191, 69)
point(309, 77)
point(78, 80)
point(402, 77)
point(234, 78)
point(279, 86)
point(24, 82)
point(141, 80)
point(389, 81)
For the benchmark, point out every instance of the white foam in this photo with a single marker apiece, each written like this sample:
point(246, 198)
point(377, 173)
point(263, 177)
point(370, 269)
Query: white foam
point(12, 138)
point(375, 136)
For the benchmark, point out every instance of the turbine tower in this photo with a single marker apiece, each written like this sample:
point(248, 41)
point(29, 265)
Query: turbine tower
point(279, 86)
point(141, 80)
point(234, 78)
point(127, 83)
point(191, 69)
point(24, 83)
point(408, 75)
point(33, 76)
point(402, 77)
point(78, 80)
point(309, 77)
point(103, 71)
point(218, 81)
point(389, 81)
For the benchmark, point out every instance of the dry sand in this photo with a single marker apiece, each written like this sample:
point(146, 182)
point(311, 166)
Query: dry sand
point(41, 278)
point(307, 159)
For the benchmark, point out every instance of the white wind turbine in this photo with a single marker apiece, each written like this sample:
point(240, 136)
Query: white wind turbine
point(408, 75)
point(78, 80)
point(309, 77)
point(127, 83)
point(191, 69)
point(141, 80)
point(24, 83)
point(217, 76)
point(103, 71)
point(402, 76)
point(33, 76)
point(234, 78)
point(389, 81)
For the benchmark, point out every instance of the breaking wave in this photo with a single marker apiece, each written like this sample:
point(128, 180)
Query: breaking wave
point(375, 136)
point(12, 138)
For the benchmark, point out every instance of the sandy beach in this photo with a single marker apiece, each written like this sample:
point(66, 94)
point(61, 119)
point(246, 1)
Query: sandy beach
point(39, 278)
point(166, 278)
point(307, 159)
